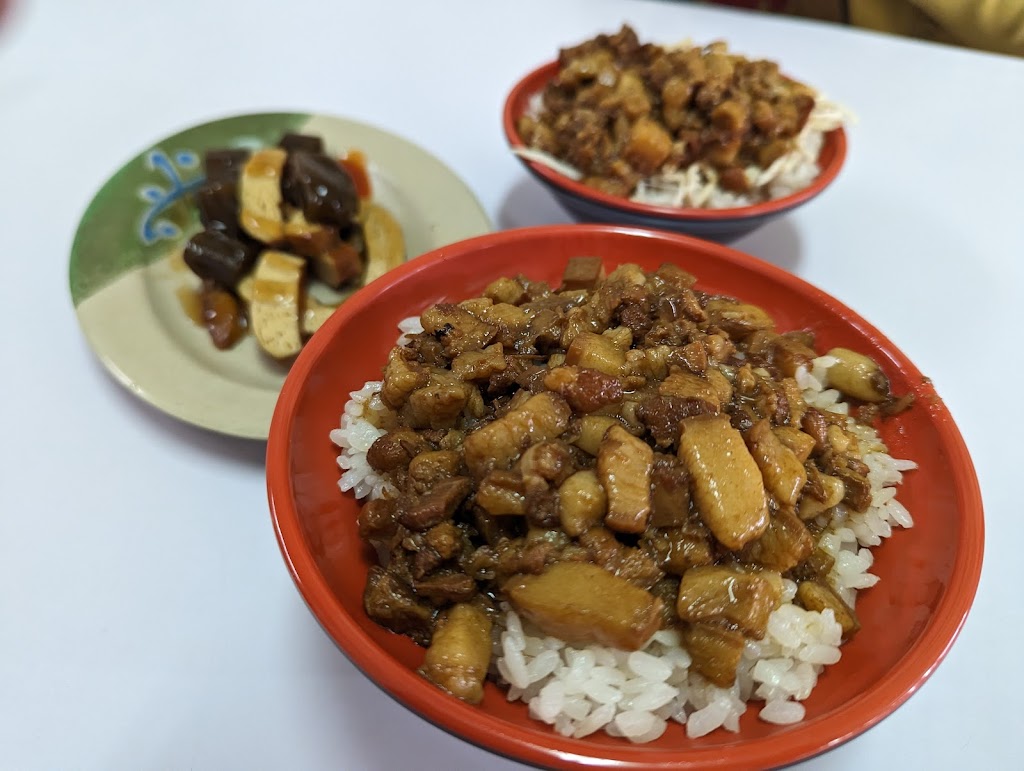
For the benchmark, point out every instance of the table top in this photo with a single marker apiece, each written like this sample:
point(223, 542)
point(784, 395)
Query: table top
point(130, 637)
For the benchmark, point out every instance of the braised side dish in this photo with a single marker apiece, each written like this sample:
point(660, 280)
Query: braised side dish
point(621, 113)
point(614, 457)
point(277, 220)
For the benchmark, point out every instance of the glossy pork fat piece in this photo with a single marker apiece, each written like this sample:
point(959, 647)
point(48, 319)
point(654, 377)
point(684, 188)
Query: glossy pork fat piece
point(619, 455)
point(276, 220)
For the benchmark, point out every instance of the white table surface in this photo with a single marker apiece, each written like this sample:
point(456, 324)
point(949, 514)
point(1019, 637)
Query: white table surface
point(146, 617)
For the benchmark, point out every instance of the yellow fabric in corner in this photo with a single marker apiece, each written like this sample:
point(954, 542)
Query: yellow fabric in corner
point(991, 25)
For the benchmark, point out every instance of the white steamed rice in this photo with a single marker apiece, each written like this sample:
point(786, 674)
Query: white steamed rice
point(636, 694)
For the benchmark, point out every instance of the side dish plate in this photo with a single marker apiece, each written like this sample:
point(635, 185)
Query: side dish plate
point(127, 277)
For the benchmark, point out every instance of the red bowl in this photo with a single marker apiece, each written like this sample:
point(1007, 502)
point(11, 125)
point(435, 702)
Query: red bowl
point(590, 205)
point(910, 619)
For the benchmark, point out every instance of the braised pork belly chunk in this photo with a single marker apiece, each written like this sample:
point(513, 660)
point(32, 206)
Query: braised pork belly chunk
point(609, 457)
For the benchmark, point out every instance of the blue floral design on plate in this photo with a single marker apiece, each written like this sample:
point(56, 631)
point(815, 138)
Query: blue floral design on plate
point(153, 227)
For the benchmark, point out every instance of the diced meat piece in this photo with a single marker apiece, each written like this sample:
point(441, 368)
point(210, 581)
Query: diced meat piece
point(460, 653)
point(500, 493)
point(789, 354)
point(446, 539)
point(715, 652)
point(479, 365)
point(586, 390)
point(648, 146)
point(395, 449)
point(582, 273)
point(590, 430)
point(785, 544)
point(816, 567)
point(624, 466)
point(783, 473)
point(730, 118)
point(726, 483)
point(392, 604)
point(505, 290)
point(816, 596)
point(377, 520)
point(688, 386)
point(457, 329)
point(445, 587)
point(438, 404)
point(542, 508)
point(431, 466)
point(662, 416)
point(677, 549)
point(595, 351)
point(582, 502)
point(670, 492)
point(583, 604)
point(401, 378)
point(828, 491)
point(715, 593)
point(628, 562)
point(797, 441)
point(815, 425)
point(546, 464)
point(857, 489)
point(496, 445)
point(511, 321)
point(436, 505)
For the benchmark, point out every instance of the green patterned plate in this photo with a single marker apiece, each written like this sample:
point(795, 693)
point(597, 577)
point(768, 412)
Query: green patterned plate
point(127, 277)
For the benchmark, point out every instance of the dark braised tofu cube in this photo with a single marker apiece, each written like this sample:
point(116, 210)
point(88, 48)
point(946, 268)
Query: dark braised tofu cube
point(582, 273)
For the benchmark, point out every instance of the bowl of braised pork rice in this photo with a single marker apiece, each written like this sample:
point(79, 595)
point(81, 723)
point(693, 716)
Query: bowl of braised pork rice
point(587, 494)
point(692, 138)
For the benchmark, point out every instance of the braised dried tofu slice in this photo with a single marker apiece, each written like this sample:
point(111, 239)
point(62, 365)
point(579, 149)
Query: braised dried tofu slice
point(581, 604)
point(260, 195)
point(726, 483)
point(460, 653)
point(784, 475)
point(275, 303)
point(385, 242)
point(624, 464)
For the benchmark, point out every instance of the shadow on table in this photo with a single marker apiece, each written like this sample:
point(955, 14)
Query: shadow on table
point(250, 452)
point(529, 203)
point(778, 242)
